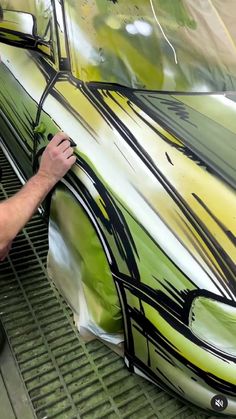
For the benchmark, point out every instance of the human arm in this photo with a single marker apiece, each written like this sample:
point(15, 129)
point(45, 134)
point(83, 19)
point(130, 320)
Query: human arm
point(16, 211)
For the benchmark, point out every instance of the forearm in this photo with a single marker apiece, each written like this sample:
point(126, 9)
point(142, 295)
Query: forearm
point(15, 212)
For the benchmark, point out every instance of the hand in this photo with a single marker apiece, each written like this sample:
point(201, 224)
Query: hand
point(57, 158)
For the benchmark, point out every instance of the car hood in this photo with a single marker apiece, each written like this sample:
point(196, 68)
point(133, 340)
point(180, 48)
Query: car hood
point(188, 144)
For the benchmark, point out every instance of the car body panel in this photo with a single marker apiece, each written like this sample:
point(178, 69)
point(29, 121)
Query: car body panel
point(181, 223)
point(20, 97)
point(142, 229)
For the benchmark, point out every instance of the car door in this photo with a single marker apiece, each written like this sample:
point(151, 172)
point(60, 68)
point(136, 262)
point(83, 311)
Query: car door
point(25, 74)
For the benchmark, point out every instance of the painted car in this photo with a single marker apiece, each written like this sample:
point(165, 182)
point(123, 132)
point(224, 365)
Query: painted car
point(142, 231)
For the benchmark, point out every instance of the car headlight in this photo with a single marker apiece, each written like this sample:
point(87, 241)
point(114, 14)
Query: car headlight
point(215, 323)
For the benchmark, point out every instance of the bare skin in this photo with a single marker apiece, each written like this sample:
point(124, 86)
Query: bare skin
point(16, 211)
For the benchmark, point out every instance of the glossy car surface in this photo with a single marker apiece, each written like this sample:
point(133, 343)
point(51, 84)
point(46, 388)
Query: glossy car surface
point(143, 228)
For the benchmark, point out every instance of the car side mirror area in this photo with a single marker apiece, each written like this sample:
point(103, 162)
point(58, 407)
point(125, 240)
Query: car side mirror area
point(20, 29)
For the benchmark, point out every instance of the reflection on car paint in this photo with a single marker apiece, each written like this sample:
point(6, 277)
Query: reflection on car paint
point(142, 231)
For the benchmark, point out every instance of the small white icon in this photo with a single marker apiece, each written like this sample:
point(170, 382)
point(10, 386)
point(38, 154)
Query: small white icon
point(219, 403)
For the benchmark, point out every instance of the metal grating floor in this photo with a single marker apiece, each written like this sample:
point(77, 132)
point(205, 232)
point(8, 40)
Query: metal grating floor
point(65, 378)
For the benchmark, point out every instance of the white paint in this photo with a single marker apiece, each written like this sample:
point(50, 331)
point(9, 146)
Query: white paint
point(144, 28)
point(163, 33)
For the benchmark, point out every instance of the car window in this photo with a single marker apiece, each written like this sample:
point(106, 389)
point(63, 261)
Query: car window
point(183, 45)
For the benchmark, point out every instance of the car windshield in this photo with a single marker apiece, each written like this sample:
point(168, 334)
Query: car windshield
point(168, 45)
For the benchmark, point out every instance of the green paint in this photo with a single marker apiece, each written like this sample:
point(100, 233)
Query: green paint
point(40, 129)
point(86, 252)
point(214, 322)
point(154, 271)
point(177, 12)
point(211, 141)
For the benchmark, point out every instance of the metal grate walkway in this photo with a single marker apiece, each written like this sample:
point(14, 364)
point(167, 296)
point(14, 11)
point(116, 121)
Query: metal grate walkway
point(64, 377)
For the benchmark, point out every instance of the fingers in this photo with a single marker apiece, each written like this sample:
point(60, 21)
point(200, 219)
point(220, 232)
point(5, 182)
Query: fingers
point(57, 158)
point(65, 153)
point(63, 149)
point(68, 152)
point(63, 146)
point(58, 138)
point(71, 160)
